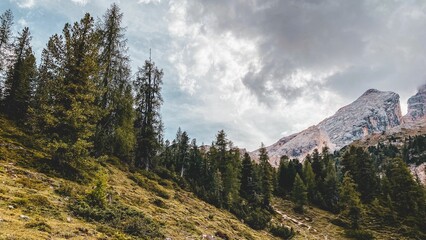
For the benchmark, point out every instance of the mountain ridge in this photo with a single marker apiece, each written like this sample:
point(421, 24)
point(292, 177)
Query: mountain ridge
point(374, 112)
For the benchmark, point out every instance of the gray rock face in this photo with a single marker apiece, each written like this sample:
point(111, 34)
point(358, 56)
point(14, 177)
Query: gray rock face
point(416, 106)
point(374, 112)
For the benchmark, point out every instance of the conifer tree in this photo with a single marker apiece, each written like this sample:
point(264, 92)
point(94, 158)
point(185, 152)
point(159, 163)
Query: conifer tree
point(405, 194)
point(361, 167)
point(299, 194)
point(309, 175)
point(114, 131)
point(74, 113)
point(148, 119)
point(6, 22)
point(20, 78)
point(266, 175)
point(349, 202)
point(248, 186)
point(48, 87)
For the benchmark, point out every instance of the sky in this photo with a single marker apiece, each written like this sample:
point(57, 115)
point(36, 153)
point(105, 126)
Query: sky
point(258, 69)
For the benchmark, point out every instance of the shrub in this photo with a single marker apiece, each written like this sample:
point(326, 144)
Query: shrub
point(282, 232)
point(359, 234)
point(119, 217)
point(39, 225)
point(159, 203)
point(258, 218)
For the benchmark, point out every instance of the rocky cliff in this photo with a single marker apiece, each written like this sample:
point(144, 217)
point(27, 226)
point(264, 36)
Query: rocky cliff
point(373, 112)
point(416, 106)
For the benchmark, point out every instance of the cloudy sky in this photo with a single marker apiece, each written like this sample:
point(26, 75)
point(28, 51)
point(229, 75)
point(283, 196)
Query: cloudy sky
point(259, 69)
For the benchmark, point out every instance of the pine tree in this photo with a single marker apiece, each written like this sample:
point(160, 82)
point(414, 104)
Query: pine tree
point(114, 131)
point(182, 156)
point(148, 120)
point(360, 165)
point(231, 177)
point(299, 194)
point(20, 78)
point(6, 22)
point(266, 175)
point(309, 175)
point(74, 114)
point(350, 203)
point(406, 195)
point(44, 118)
point(331, 187)
point(248, 186)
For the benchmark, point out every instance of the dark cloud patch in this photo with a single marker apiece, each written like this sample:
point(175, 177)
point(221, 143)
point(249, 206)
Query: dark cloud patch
point(348, 37)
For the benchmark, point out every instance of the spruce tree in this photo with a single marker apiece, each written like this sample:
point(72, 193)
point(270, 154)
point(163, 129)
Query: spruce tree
point(248, 186)
point(349, 202)
point(299, 194)
point(6, 22)
point(114, 132)
point(148, 119)
point(20, 78)
point(309, 176)
point(266, 176)
point(74, 114)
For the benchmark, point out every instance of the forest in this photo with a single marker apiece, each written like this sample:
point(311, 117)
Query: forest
point(83, 105)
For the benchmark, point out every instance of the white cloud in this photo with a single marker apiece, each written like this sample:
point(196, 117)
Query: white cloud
point(80, 2)
point(22, 23)
point(25, 3)
point(149, 1)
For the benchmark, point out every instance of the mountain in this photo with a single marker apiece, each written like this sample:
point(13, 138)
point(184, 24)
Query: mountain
point(373, 112)
point(416, 107)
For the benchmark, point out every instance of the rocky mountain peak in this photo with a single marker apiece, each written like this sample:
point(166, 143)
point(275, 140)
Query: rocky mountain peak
point(416, 106)
point(373, 112)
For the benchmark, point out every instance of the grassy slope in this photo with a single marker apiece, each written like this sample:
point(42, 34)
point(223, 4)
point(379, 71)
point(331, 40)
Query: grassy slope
point(26, 191)
point(32, 194)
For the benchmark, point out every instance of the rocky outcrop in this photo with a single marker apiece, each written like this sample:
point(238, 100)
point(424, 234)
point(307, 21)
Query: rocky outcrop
point(374, 112)
point(416, 106)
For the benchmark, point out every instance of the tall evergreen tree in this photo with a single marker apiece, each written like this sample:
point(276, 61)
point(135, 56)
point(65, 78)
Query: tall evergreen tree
point(266, 175)
point(299, 194)
point(309, 176)
point(360, 165)
point(350, 203)
point(114, 131)
point(6, 22)
point(406, 195)
point(20, 78)
point(148, 120)
point(248, 186)
point(74, 113)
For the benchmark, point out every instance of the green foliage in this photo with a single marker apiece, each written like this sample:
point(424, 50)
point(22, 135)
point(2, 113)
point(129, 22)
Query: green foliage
point(121, 217)
point(309, 178)
point(360, 164)
point(359, 234)
point(282, 232)
point(19, 80)
point(114, 131)
point(97, 197)
point(350, 203)
point(405, 195)
point(248, 186)
point(258, 218)
point(39, 225)
point(150, 185)
point(148, 120)
point(299, 194)
point(266, 176)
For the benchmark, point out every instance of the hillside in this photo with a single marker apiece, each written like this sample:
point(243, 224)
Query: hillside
point(37, 205)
